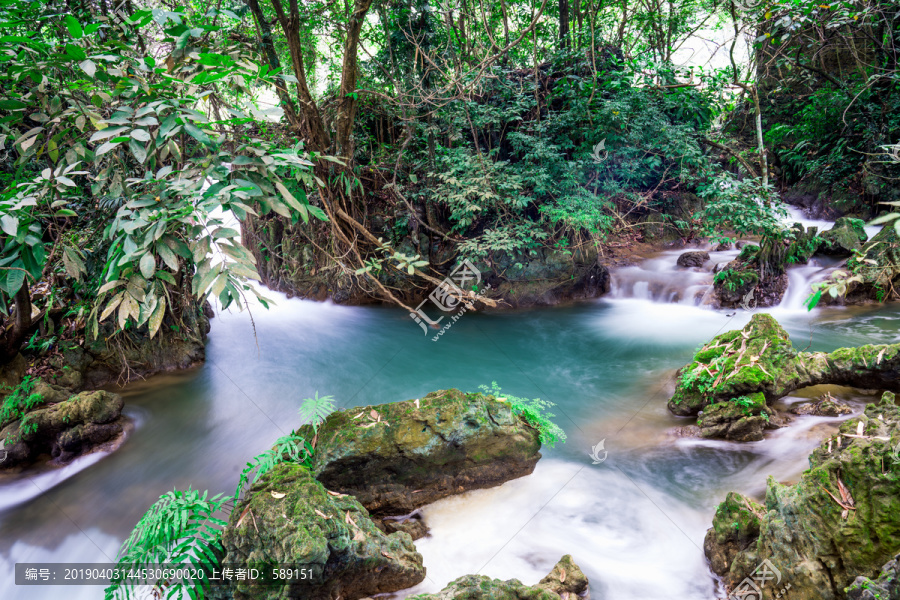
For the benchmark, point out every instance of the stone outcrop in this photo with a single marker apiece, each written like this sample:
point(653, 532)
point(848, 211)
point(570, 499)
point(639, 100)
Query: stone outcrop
point(565, 582)
point(50, 422)
point(743, 419)
point(839, 522)
point(399, 456)
point(290, 519)
point(694, 258)
point(885, 587)
point(761, 359)
point(845, 236)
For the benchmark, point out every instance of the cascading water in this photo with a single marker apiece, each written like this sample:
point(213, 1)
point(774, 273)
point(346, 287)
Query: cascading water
point(659, 278)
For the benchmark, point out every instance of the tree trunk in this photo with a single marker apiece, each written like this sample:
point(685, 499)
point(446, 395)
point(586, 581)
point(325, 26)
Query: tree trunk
point(349, 99)
point(313, 127)
point(13, 335)
point(563, 23)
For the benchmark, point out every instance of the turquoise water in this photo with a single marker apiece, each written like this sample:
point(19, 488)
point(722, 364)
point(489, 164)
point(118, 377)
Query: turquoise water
point(634, 523)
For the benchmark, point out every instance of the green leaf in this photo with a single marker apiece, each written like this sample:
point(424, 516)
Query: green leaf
point(292, 202)
point(9, 224)
point(74, 27)
point(105, 147)
point(148, 265)
point(11, 280)
point(168, 256)
point(141, 135)
point(197, 133)
point(75, 52)
point(138, 150)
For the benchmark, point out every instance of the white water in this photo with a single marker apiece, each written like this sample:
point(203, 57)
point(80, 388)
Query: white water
point(659, 279)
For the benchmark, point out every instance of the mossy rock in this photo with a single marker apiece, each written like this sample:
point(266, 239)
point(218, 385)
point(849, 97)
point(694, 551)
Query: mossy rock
point(63, 429)
point(742, 419)
point(885, 587)
point(399, 456)
point(565, 582)
point(839, 521)
point(290, 519)
point(735, 528)
point(734, 364)
point(761, 359)
point(847, 234)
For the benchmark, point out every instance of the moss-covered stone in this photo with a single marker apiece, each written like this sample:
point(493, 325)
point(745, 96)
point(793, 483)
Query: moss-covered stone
point(399, 456)
point(565, 582)
point(847, 234)
point(735, 528)
point(742, 419)
point(840, 521)
point(761, 359)
point(885, 587)
point(290, 519)
point(62, 428)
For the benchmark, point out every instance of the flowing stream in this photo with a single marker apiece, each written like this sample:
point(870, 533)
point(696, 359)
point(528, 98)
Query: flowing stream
point(634, 523)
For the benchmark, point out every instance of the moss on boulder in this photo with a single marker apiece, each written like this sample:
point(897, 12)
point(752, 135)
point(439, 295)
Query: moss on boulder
point(290, 519)
point(761, 359)
point(742, 419)
point(565, 582)
point(885, 587)
point(399, 456)
point(846, 235)
point(840, 521)
point(62, 426)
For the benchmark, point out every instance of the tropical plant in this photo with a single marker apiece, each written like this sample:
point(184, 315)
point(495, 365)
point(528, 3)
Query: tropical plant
point(534, 411)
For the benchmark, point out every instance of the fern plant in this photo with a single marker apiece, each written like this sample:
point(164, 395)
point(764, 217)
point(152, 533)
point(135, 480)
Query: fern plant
point(291, 448)
point(180, 528)
point(315, 410)
point(534, 411)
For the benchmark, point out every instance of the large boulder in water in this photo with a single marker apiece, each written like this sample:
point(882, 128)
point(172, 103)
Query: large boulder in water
point(694, 258)
point(839, 521)
point(565, 582)
point(743, 419)
point(761, 359)
point(291, 520)
point(397, 457)
point(847, 234)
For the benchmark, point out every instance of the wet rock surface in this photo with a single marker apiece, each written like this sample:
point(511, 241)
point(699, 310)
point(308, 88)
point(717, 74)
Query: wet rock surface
point(291, 519)
point(399, 456)
point(839, 522)
point(565, 582)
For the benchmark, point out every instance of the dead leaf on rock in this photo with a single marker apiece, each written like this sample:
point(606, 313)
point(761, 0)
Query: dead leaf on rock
point(367, 425)
point(859, 428)
point(278, 495)
point(359, 415)
point(562, 575)
point(336, 494)
point(321, 514)
point(383, 553)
